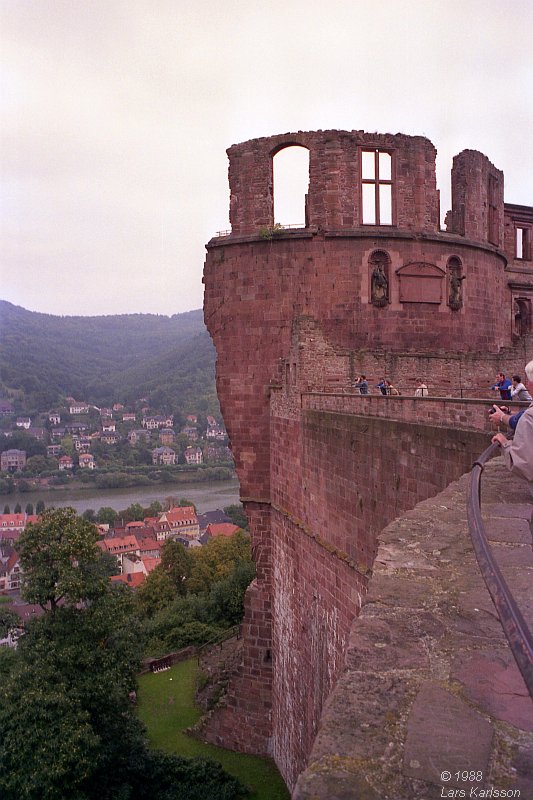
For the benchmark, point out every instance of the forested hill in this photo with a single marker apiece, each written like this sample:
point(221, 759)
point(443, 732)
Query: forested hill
point(106, 359)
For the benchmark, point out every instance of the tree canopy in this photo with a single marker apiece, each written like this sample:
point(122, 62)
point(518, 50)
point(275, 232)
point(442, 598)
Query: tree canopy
point(68, 729)
point(60, 560)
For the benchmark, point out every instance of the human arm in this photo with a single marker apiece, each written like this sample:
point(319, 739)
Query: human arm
point(518, 453)
point(498, 417)
point(501, 439)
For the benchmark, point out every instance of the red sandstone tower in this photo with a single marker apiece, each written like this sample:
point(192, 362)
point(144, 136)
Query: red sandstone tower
point(371, 285)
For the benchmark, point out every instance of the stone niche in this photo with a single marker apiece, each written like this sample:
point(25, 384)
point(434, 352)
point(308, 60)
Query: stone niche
point(420, 283)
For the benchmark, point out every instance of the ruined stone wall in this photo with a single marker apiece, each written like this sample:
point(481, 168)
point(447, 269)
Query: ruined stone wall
point(295, 318)
point(334, 175)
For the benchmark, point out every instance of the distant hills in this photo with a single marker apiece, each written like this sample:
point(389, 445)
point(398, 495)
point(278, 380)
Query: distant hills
point(170, 360)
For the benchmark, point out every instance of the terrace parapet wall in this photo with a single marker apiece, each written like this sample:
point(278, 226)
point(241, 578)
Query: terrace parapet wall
point(429, 686)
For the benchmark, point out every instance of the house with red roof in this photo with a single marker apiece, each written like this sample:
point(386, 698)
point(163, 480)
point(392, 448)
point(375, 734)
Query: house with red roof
point(215, 529)
point(178, 521)
point(131, 579)
point(10, 572)
point(131, 548)
point(12, 525)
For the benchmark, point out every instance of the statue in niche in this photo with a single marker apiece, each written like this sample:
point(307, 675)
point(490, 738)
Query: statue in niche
point(522, 316)
point(455, 299)
point(379, 287)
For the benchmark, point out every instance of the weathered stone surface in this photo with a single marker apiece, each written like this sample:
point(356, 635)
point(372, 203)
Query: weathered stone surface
point(512, 529)
point(493, 681)
point(381, 701)
point(390, 590)
point(335, 778)
point(513, 556)
point(382, 644)
point(444, 734)
point(508, 510)
point(523, 764)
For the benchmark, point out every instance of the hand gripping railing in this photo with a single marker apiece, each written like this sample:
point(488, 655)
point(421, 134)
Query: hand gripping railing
point(514, 626)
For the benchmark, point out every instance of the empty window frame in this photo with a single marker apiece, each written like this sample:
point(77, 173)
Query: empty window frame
point(290, 177)
point(493, 234)
point(523, 243)
point(376, 187)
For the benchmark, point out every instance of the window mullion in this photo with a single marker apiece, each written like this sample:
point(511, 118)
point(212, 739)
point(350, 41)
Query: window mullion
point(376, 185)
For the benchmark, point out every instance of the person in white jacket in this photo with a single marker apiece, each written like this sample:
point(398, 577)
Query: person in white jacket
point(518, 452)
point(518, 390)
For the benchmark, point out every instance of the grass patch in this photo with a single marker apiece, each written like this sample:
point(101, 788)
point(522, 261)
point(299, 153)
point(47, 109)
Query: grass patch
point(166, 706)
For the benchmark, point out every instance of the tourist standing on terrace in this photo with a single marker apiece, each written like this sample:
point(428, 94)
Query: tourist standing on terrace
point(518, 390)
point(518, 452)
point(503, 385)
point(361, 384)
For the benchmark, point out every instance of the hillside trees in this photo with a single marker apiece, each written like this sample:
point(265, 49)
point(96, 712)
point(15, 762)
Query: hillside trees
point(169, 359)
point(21, 440)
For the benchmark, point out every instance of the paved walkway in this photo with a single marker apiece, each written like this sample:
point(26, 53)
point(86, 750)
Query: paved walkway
point(431, 704)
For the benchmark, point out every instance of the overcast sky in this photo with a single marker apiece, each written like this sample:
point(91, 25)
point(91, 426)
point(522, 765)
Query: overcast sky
point(116, 117)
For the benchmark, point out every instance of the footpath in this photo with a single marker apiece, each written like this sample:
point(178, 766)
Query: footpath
point(431, 703)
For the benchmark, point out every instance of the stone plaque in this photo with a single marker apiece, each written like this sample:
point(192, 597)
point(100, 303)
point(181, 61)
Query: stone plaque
point(420, 283)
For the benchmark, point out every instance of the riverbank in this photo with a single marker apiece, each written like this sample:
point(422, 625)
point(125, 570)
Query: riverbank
point(206, 495)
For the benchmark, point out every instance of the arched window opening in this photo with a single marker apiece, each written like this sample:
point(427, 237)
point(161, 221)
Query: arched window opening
point(379, 278)
point(454, 269)
point(291, 185)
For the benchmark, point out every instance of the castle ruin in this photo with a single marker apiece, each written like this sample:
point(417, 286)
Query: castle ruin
point(370, 285)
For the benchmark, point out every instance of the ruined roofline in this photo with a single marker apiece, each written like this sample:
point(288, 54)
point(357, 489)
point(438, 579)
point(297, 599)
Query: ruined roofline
point(518, 207)
point(297, 138)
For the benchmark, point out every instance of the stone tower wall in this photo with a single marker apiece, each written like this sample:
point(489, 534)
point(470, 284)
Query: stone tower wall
point(295, 317)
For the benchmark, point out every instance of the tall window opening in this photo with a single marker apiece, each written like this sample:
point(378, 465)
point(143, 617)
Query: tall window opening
point(291, 185)
point(493, 211)
point(376, 187)
point(522, 243)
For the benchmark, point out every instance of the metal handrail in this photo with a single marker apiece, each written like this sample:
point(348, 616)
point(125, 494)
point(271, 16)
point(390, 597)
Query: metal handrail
point(513, 623)
point(220, 638)
point(282, 227)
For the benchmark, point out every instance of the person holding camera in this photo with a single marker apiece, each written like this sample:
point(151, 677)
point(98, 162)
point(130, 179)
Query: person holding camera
point(518, 452)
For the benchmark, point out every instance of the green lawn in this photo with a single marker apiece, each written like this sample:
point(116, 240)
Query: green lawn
point(166, 707)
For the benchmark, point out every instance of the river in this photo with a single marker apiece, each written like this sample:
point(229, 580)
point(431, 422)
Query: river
point(206, 496)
